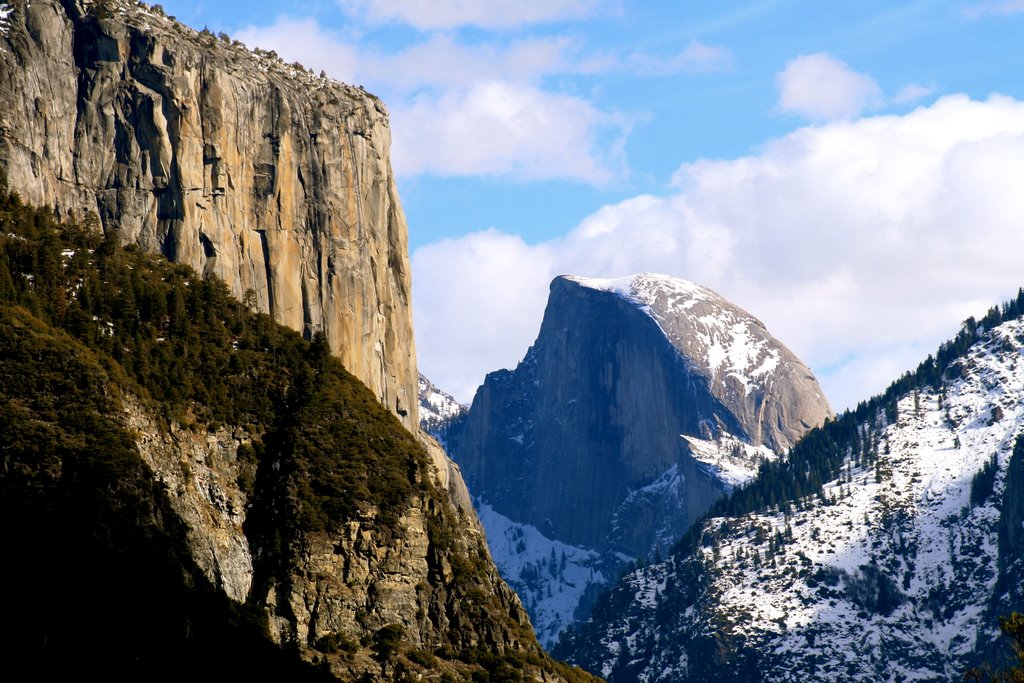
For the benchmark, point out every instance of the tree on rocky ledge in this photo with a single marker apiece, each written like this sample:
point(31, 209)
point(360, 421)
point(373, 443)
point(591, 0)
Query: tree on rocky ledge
point(1013, 628)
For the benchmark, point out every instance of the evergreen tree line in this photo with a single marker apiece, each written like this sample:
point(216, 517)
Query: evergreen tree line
point(98, 563)
point(819, 457)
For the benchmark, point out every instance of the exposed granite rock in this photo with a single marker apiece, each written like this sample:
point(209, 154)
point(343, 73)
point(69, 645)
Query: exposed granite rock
point(768, 390)
point(449, 476)
point(201, 472)
point(597, 406)
point(427, 573)
point(232, 162)
point(584, 439)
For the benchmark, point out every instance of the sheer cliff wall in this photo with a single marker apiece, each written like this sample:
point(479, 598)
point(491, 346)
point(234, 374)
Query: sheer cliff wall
point(230, 161)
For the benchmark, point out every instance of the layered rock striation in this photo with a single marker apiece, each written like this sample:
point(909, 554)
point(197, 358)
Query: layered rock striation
point(241, 166)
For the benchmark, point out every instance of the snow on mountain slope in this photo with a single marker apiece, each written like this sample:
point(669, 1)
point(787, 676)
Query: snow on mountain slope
point(725, 340)
point(729, 459)
point(889, 574)
point(437, 408)
point(550, 577)
point(732, 349)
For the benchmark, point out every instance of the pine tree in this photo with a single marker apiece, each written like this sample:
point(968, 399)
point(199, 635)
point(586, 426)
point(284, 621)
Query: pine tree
point(1013, 628)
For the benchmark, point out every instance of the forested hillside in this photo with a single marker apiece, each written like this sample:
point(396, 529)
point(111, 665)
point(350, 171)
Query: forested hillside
point(96, 339)
point(885, 546)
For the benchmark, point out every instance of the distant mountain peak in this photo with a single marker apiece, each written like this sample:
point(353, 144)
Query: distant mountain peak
point(438, 409)
point(643, 400)
point(730, 347)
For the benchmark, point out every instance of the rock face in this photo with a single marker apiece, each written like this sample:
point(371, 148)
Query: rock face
point(232, 162)
point(583, 441)
point(202, 471)
point(262, 491)
point(619, 371)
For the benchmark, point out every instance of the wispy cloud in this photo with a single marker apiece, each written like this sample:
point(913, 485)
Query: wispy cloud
point(913, 92)
point(494, 14)
point(696, 57)
point(1002, 7)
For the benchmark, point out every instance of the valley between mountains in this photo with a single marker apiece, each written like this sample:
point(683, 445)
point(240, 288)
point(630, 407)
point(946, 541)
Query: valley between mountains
point(218, 457)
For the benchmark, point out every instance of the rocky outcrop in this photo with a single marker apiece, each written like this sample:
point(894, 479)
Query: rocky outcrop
point(202, 474)
point(596, 409)
point(234, 163)
point(584, 440)
point(425, 575)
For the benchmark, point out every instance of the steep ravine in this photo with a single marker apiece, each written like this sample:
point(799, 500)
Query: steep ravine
point(232, 162)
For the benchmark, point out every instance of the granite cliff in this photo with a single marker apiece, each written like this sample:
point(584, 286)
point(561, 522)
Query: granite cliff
point(241, 504)
point(187, 486)
point(232, 162)
point(642, 402)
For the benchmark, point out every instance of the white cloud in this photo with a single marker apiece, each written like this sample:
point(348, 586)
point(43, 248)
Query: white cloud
point(493, 14)
point(445, 299)
point(999, 8)
point(501, 128)
point(820, 87)
point(913, 92)
point(861, 244)
point(696, 57)
point(463, 110)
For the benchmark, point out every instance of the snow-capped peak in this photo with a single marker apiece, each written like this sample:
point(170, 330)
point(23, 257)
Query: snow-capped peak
point(644, 287)
point(437, 408)
point(730, 347)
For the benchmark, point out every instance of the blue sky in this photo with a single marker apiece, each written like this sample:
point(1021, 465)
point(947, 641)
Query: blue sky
point(842, 170)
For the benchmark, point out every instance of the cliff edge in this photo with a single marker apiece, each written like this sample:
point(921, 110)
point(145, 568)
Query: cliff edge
point(230, 161)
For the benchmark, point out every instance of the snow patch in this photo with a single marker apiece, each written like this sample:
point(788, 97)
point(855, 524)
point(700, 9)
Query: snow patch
point(549, 576)
point(5, 12)
point(733, 344)
point(729, 459)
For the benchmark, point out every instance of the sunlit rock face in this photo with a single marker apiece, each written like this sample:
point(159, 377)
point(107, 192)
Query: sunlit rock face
point(232, 162)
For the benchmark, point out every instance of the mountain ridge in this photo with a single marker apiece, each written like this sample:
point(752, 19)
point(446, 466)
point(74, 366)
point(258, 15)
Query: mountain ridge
point(583, 443)
point(913, 480)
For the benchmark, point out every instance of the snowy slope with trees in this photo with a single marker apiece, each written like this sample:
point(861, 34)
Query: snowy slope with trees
point(438, 409)
point(873, 554)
